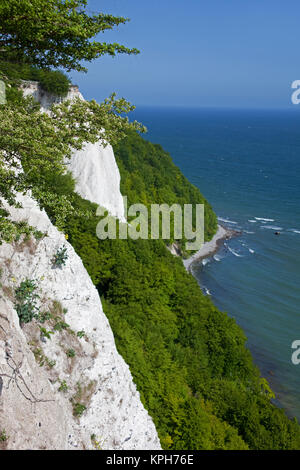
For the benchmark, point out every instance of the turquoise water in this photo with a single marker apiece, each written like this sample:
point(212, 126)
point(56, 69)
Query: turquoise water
point(247, 164)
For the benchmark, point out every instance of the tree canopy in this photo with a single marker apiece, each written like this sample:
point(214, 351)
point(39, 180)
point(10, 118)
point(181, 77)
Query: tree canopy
point(55, 33)
point(189, 361)
point(37, 36)
point(34, 145)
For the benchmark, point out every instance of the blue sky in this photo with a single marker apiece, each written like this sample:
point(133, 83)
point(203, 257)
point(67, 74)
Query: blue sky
point(226, 53)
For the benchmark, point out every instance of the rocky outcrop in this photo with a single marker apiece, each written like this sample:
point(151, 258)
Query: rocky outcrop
point(94, 167)
point(97, 177)
point(31, 417)
point(63, 384)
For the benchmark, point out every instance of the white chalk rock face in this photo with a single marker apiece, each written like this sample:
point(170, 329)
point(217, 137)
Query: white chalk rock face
point(66, 388)
point(97, 177)
point(94, 167)
point(30, 415)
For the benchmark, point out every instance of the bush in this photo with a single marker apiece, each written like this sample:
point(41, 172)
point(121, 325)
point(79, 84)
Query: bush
point(71, 353)
point(60, 257)
point(54, 82)
point(78, 409)
point(63, 387)
point(3, 436)
point(26, 301)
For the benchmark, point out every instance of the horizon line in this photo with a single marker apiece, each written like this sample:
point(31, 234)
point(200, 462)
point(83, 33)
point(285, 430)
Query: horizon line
point(235, 108)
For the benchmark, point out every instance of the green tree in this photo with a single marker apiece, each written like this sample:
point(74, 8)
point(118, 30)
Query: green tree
point(34, 145)
point(55, 33)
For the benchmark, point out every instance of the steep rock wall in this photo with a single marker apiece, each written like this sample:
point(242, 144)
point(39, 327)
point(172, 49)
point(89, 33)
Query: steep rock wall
point(40, 383)
point(94, 167)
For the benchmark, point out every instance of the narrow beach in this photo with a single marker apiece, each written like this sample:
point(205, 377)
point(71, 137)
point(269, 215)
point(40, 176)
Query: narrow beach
point(211, 247)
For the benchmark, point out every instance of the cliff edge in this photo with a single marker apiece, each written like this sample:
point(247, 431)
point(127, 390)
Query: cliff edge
point(94, 167)
point(63, 384)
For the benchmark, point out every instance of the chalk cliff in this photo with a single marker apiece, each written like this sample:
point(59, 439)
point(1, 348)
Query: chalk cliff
point(94, 167)
point(63, 384)
point(42, 384)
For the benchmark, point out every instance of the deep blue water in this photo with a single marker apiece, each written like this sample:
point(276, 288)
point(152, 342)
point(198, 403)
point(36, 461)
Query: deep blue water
point(247, 164)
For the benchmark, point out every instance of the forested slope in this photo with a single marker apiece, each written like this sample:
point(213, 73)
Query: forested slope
point(148, 176)
point(189, 360)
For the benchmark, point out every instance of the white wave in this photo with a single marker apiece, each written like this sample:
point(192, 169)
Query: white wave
point(252, 221)
point(251, 251)
point(227, 221)
point(207, 291)
point(234, 252)
point(264, 220)
point(272, 227)
point(246, 231)
point(205, 261)
point(217, 258)
point(293, 230)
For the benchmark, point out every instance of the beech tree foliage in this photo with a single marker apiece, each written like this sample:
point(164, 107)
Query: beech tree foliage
point(55, 33)
point(189, 361)
point(34, 146)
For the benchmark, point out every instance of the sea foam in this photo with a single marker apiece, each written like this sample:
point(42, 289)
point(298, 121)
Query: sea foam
point(272, 227)
point(264, 220)
point(234, 252)
point(227, 221)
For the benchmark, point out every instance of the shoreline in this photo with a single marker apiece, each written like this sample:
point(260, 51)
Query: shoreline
point(210, 248)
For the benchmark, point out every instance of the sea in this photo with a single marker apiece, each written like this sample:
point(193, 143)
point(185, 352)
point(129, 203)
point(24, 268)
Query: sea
point(247, 164)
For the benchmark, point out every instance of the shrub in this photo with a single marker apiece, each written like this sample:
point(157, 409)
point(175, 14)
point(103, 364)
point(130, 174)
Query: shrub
point(54, 82)
point(60, 257)
point(42, 317)
point(51, 363)
point(38, 235)
point(3, 436)
point(71, 353)
point(61, 325)
point(41, 359)
point(63, 387)
point(26, 301)
point(81, 334)
point(45, 333)
point(78, 409)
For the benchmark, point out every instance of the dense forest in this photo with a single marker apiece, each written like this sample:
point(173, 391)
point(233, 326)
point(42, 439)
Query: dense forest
point(188, 359)
point(149, 176)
